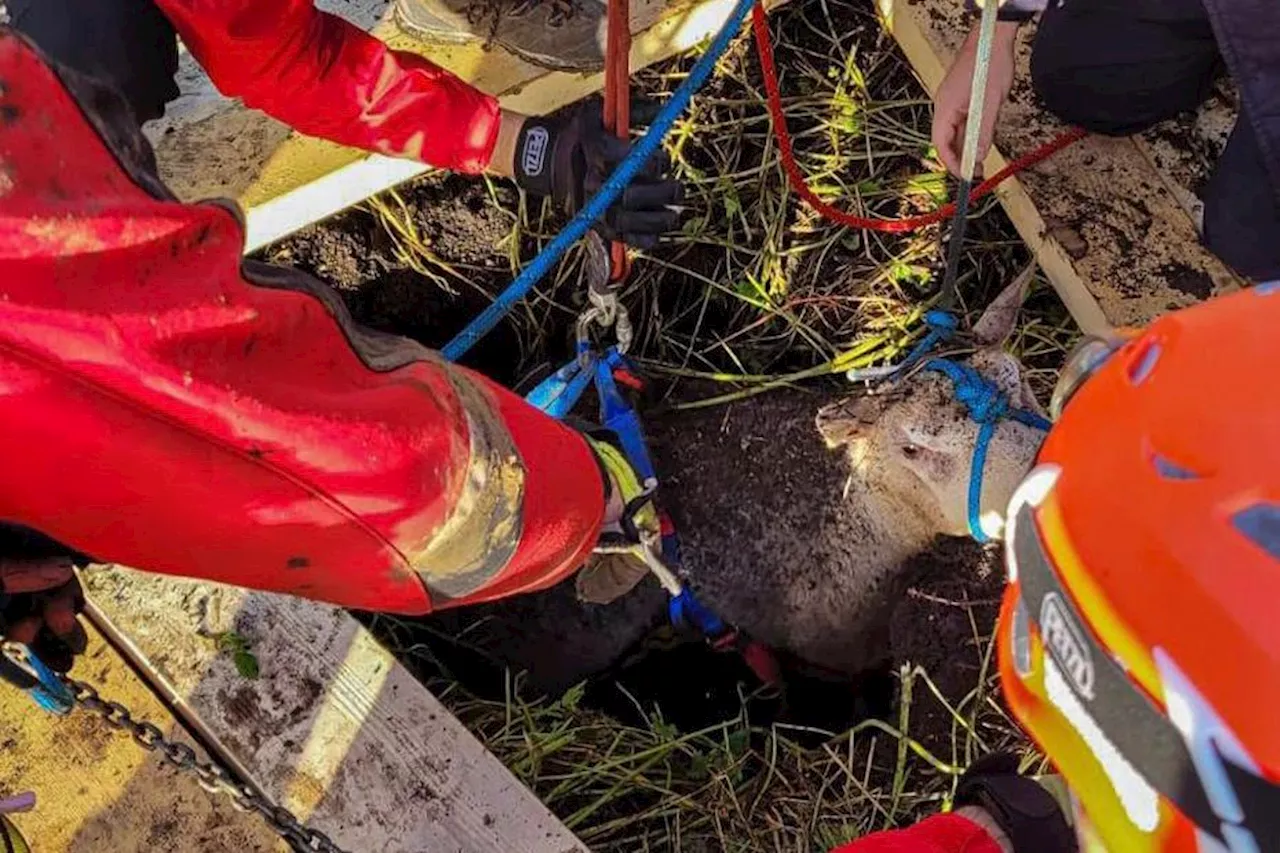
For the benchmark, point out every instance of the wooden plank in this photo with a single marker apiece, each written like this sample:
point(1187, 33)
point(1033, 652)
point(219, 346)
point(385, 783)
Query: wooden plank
point(209, 146)
point(333, 728)
point(96, 790)
point(1109, 229)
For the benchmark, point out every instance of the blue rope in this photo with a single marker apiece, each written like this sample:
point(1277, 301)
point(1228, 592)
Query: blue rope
point(942, 326)
point(686, 608)
point(609, 192)
point(558, 394)
point(987, 406)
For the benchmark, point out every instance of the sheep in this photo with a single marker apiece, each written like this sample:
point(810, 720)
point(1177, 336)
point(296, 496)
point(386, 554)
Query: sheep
point(798, 536)
point(807, 555)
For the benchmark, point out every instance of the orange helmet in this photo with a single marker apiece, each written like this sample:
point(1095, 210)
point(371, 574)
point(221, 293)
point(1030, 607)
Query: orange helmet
point(1139, 639)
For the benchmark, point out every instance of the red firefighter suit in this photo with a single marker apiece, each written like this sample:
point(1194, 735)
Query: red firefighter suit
point(168, 406)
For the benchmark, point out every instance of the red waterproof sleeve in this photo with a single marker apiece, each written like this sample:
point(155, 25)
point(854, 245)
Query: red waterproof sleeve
point(946, 833)
point(326, 77)
point(166, 406)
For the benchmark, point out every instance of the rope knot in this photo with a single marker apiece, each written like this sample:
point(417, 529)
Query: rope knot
point(984, 401)
point(987, 406)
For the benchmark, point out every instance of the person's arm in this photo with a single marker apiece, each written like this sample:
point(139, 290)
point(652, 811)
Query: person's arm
point(241, 427)
point(951, 110)
point(951, 101)
point(966, 830)
point(326, 77)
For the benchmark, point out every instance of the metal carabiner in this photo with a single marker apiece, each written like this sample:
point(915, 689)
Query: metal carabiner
point(20, 667)
point(605, 310)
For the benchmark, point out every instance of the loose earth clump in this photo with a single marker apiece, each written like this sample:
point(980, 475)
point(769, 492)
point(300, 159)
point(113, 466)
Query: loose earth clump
point(756, 293)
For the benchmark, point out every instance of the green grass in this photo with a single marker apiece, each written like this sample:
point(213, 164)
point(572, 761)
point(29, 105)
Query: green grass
point(735, 787)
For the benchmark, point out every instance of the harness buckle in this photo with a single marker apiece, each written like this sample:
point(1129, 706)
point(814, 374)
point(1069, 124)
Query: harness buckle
point(632, 510)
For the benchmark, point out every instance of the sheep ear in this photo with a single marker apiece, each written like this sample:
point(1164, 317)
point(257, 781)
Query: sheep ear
point(996, 323)
point(1028, 400)
point(848, 420)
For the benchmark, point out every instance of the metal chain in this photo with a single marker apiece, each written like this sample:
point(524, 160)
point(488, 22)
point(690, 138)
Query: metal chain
point(212, 777)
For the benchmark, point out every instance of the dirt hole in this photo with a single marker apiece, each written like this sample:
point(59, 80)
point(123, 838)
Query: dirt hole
point(697, 302)
point(754, 285)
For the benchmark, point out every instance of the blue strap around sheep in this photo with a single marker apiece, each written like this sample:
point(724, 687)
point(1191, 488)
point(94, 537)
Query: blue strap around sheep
point(559, 393)
point(981, 397)
point(987, 406)
point(941, 325)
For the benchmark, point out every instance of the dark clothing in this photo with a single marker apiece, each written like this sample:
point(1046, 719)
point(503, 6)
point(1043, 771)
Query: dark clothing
point(127, 42)
point(315, 72)
point(1249, 36)
point(1117, 67)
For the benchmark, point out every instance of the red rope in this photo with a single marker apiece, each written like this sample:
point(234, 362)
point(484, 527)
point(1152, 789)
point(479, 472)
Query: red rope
point(764, 44)
point(617, 101)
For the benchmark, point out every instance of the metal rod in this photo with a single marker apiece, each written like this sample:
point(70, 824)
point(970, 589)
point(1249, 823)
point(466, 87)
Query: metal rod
point(617, 101)
point(969, 158)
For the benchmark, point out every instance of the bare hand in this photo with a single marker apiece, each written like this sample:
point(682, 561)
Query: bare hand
point(951, 103)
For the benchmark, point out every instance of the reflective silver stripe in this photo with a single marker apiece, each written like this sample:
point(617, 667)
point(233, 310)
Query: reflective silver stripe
point(1131, 724)
point(482, 533)
point(480, 536)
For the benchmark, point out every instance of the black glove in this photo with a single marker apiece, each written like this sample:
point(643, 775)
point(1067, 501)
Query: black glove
point(1028, 814)
point(568, 157)
point(40, 597)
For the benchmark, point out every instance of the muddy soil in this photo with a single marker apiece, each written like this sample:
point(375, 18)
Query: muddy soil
point(465, 228)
